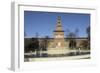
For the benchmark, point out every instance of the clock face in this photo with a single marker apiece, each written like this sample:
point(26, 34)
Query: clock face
point(59, 43)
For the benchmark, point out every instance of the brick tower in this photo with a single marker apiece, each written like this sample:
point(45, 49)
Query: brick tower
point(59, 40)
point(58, 44)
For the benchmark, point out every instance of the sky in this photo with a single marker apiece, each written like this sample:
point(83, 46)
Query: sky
point(44, 23)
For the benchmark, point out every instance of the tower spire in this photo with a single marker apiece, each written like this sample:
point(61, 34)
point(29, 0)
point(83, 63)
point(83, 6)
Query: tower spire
point(59, 20)
point(59, 24)
point(58, 32)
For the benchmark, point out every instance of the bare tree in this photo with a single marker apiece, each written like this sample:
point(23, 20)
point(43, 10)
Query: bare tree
point(76, 32)
point(88, 32)
point(45, 43)
point(88, 36)
point(72, 42)
point(71, 35)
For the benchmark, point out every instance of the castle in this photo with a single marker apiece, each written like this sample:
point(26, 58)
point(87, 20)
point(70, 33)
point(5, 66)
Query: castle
point(59, 44)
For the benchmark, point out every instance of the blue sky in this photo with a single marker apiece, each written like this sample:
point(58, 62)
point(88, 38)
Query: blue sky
point(44, 23)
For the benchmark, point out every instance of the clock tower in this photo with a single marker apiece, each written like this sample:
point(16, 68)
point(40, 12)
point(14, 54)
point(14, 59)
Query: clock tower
point(58, 45)
point(59, 40)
